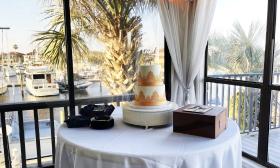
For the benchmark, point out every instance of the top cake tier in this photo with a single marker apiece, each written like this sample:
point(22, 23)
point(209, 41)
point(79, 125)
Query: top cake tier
point(149, 75)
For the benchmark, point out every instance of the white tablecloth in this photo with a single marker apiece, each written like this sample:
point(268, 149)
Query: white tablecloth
point(125, 146)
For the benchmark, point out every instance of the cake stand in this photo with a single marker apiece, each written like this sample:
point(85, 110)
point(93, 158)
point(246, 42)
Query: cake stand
point(148, 116)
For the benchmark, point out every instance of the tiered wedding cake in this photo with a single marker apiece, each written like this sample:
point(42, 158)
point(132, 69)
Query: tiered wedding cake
point(150, 107)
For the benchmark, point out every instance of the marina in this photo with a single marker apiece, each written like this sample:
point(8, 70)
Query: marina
point(24, 78)
point(16, 94)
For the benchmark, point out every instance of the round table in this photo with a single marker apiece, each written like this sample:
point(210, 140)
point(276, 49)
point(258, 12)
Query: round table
point(125, 146)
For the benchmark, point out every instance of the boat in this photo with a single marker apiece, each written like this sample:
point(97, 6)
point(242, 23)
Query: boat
point(9, 71)
point(40, 81)
point(3, 86)
point(89, 71)
point(19, 69)
point(78, 85)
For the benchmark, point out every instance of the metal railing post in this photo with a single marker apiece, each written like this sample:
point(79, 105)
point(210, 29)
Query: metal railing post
point(70, 73)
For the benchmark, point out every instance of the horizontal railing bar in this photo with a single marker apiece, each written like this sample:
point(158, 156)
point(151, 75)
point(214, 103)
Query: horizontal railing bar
point(106, 99)
point(32, 105)
point(240, 75)
point(234, 82)
point(61, 103)
point(34, 158)
point(275, 87)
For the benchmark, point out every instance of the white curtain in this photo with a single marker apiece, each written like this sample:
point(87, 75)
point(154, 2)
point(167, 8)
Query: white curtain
point(186, 25)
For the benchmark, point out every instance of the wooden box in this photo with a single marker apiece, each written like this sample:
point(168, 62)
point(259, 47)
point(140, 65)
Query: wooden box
point(209, 124)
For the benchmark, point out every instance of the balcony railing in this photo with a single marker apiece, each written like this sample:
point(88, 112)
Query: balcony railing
point(35, 107)
point(243, 103)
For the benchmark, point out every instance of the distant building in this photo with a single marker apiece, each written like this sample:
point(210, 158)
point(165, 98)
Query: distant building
point(17, 57)
point(11, 58)
point(30, 57)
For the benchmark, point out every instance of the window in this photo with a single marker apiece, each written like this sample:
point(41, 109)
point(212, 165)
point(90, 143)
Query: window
point(236, 49)
point(49, 78)
point(236, 44)
point(37, 37)
point(39, 76)
point(239, 76)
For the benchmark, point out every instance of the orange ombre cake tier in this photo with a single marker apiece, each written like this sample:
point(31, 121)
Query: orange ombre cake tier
point(149, 75)
point(149, 95)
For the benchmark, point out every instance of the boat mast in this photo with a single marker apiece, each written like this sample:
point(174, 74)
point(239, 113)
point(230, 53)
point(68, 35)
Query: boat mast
point(2, 51)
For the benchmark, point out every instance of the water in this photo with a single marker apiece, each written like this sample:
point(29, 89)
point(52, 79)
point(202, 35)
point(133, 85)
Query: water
point(17, 95)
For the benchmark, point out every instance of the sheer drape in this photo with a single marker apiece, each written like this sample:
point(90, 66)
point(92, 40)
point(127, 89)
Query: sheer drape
point(186, 25)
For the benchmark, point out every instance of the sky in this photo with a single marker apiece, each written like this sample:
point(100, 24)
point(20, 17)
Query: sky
point(25, 18)
point(244, 11)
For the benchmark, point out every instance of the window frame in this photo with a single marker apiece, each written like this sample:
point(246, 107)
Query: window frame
point(266, 86)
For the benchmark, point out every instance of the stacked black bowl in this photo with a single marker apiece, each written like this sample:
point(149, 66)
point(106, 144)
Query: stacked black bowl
point(93, 116)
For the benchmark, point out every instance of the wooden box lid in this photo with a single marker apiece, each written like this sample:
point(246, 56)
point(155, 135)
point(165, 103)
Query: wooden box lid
point(215, 111)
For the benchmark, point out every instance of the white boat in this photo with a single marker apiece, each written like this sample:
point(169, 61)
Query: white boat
point(3, 83)
point(78, 85)
point(40, 81)
point(9, 72)
point(82, 84)
point(3, 87)
point(19, 69)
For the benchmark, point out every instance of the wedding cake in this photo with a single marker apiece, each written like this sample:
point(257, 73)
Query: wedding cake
point(149, 107)
point(149, 90)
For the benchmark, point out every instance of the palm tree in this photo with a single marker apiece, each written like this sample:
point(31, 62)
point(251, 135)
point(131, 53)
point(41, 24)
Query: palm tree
point(218, 47)
point(52, 42)
point(240, 52)
point(115, 23)
point(15, 46)
point(245, 54)
point(53, 47)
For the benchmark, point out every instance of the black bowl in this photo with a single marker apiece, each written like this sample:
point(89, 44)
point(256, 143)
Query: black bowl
point(100, 123)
